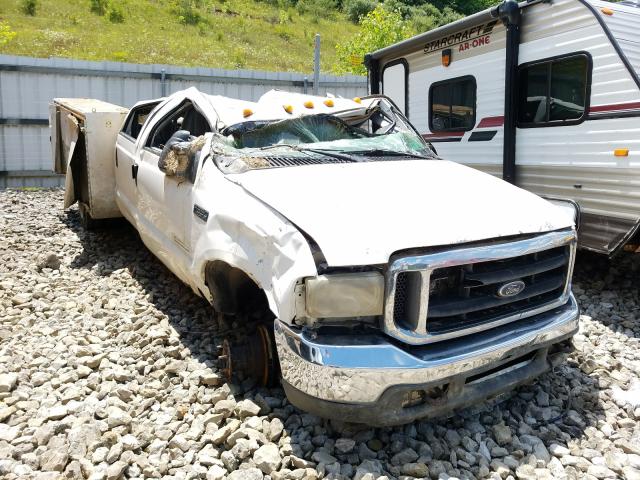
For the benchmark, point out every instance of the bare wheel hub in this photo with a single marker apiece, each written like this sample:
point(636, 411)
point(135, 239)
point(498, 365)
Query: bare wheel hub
point(252, 356)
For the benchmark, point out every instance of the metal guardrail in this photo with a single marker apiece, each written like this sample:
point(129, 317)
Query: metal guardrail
point(25, 121)
point(165, 76)
point(28, 173)
point(28, 84)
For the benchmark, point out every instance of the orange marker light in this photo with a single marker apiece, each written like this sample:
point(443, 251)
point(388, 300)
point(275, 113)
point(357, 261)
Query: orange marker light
point(606, 11)
point(308, 104)
point(621, 152)
point(247, 112)
point(328, 102)
point(446, 57)
point(288, 108)
point(357, 100)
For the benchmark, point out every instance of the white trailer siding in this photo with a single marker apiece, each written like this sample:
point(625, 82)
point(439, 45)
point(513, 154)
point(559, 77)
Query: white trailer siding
point(623, 24)
point(574, 161)
point(488, 71)
point(486, 62)
point(578, 161)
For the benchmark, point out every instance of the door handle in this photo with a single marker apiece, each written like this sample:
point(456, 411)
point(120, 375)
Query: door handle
point(134, 172)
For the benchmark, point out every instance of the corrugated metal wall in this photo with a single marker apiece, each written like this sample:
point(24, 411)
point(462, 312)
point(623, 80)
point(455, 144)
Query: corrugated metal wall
point(27, 85)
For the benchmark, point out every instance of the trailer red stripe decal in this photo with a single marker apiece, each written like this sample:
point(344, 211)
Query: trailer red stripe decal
point(444, 139)
point(614, 107)
point(483, 136)
point(431, 136)
point(491, 122)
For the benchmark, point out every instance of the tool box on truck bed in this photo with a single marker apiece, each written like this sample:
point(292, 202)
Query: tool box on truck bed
point(83, 138)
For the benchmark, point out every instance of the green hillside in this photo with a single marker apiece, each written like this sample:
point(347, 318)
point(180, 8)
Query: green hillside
point(251, 34)
point(221, 34)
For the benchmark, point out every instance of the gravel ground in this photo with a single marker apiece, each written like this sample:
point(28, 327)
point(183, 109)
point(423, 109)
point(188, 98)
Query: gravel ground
point(107, 370)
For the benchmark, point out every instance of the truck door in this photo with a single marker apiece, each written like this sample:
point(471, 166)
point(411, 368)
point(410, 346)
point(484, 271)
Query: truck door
point(126, 159)
point(165, 202)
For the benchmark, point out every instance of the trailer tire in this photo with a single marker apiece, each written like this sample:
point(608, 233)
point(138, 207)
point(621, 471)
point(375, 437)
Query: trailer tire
point(86, 220)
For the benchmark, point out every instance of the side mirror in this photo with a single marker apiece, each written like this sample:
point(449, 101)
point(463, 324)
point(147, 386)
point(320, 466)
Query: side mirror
point(179, 153)
point(171, 162)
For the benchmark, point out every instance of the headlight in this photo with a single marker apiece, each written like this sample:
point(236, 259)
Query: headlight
point(345, 295)
point(569, 207)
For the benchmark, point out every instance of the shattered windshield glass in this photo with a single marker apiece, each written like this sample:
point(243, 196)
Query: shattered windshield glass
point(374, 133)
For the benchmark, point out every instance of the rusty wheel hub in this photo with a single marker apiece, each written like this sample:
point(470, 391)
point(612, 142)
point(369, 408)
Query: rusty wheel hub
point(252, 356)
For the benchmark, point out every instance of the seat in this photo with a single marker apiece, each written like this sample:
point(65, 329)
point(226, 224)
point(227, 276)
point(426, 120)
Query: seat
point(195, 123)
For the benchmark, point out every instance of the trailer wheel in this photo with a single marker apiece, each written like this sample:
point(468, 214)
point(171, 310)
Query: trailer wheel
point(88, 223)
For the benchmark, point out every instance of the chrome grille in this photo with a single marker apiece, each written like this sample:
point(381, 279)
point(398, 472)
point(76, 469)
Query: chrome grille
point(447, 294)
point(401, 298)
point(472, 298)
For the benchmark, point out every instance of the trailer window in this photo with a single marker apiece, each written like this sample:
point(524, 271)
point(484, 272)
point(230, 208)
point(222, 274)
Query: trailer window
point(554, 91)
point(452, 105)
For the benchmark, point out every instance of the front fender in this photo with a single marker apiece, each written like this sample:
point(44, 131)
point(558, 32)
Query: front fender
point(249, 235)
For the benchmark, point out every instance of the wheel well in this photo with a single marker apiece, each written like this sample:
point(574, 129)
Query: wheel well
point(233, 291)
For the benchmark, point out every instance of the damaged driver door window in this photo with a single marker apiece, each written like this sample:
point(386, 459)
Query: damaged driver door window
point(169, 161)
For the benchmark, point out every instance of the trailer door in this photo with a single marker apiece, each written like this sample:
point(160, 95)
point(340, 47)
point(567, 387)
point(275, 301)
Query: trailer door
point(395, 76)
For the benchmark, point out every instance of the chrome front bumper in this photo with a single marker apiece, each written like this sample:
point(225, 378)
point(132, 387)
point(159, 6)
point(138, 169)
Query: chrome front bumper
point(363, 378)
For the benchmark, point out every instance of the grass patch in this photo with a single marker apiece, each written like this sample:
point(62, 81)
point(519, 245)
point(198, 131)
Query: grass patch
point(220, 34)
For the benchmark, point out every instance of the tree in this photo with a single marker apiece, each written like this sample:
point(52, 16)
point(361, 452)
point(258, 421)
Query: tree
point(379, 28)
point(427, 17)
point(466, 7)
point(423, 16)
point(6, 34)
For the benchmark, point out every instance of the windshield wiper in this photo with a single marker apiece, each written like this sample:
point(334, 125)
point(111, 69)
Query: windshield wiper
point(377, 152)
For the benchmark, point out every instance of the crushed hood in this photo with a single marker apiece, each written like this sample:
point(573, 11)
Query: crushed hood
point(360, 214)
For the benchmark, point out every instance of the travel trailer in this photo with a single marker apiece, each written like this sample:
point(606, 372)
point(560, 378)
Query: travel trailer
point(545, 94)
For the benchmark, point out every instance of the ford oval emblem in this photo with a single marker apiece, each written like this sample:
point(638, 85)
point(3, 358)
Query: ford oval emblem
point(511, 289)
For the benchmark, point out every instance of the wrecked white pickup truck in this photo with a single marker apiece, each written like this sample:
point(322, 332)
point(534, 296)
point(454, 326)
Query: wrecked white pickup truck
point(378, 282)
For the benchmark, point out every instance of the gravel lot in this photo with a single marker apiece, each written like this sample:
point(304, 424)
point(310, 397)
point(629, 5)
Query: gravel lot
point(107, 370)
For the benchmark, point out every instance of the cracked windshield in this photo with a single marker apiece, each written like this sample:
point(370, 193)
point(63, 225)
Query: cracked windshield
point(374, 133)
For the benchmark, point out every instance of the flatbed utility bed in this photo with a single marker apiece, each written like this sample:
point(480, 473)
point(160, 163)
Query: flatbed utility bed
point(83, 136)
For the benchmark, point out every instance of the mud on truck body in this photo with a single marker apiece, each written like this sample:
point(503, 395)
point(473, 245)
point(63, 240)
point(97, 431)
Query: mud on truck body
point(386, 284)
